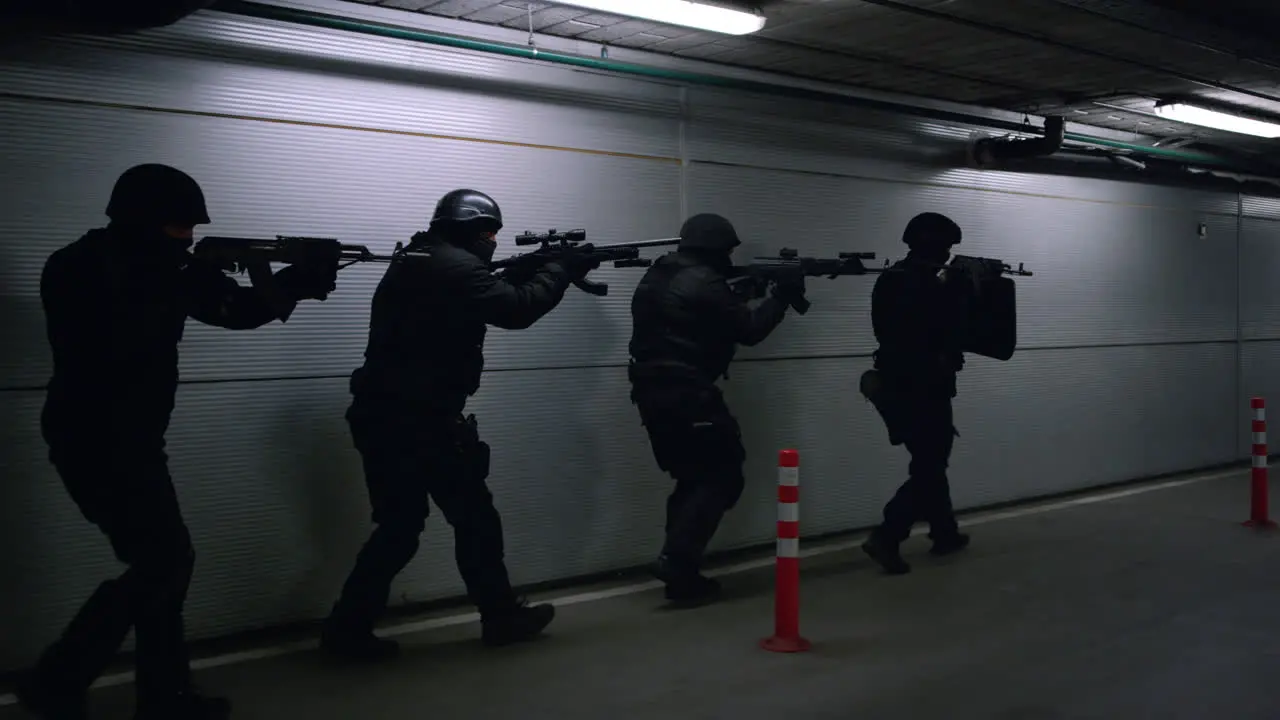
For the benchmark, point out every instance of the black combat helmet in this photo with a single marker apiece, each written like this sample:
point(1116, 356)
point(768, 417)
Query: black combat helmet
point(707, 231)
point(154, 195)
point(463, 207)
point(931, 229)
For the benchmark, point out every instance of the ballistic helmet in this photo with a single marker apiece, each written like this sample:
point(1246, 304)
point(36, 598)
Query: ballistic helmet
point(157, 195)
point(708, 232)
point(931, 229)
point(464, 207)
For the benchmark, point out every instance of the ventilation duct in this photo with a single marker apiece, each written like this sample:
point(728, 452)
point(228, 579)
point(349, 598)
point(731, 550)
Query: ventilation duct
point(98, 17)
point(987, 152)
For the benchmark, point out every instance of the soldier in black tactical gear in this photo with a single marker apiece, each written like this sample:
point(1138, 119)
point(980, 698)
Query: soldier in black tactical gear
point(423, 360)
point(115, 304)
point(918, 321)
point(687, 324)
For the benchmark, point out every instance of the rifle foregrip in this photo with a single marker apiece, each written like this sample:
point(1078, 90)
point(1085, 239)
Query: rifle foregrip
point(591, 288)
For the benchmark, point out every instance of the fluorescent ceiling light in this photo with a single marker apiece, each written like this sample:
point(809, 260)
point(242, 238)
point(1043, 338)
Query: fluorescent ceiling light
point(678, 12)
point(1195, 115)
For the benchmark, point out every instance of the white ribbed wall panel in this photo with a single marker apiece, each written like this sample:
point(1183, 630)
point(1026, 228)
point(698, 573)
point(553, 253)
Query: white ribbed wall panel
point(736, 130)
point(317, 132)
point(264, 179)
point(278, 521)
point(272, 490)
point(1105, 273)
point(1259, 279)
point(217, 63)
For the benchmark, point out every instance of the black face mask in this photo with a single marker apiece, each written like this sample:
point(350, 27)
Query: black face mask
point(930, 255)
point(481, 248)
point(154, 245)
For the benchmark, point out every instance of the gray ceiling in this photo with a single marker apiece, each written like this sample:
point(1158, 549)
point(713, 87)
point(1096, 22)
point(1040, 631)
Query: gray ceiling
point(1100, 62)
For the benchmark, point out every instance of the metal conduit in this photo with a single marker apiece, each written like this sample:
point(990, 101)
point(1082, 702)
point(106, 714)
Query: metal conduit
point(312, 18)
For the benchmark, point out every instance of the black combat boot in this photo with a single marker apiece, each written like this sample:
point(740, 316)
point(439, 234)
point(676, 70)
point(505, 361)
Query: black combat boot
point(686, 587)
point(949, 543)
point(356, 644)
point(515, 623)
point(49, 703)
point(185, 706)
point(886, 554)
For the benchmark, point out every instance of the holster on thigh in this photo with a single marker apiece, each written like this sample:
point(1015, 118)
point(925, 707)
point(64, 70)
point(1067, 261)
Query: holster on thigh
point(691, 430)
point(473, 454)
point(888, 402)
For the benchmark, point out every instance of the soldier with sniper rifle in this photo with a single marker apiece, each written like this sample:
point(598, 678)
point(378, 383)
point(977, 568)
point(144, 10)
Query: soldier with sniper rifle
point(424, 358)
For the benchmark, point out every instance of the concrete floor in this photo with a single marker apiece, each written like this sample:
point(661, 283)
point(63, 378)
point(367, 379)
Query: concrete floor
point(1154, 605)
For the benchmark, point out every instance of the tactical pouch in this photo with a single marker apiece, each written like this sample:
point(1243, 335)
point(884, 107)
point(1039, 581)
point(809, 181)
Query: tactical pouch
point(477, 459)
point(474, 454)
point(886, 402)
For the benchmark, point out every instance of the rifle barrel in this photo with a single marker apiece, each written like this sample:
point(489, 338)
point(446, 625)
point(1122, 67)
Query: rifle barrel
point(640, 243)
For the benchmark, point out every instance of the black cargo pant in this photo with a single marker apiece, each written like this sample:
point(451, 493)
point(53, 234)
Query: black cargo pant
point(928, 430)
point(125, 489)
point(697, 441)
point(410, 459)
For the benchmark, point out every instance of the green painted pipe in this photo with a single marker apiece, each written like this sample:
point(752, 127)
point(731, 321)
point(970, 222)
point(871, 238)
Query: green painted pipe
point(335, 22)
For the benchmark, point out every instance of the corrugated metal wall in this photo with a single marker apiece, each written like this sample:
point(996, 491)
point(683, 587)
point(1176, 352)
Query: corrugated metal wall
point(1130, 362)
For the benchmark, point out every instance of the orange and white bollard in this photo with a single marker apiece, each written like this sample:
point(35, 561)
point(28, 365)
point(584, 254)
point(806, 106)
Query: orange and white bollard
point(786, 621)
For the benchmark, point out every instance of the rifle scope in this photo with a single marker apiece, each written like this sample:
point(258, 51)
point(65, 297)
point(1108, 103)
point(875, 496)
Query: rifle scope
point(551, 236)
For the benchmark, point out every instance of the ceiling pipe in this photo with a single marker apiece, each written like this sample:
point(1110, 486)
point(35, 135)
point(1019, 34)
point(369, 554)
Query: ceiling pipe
point(1010, 32)
point(990, 152)
point(311, 18)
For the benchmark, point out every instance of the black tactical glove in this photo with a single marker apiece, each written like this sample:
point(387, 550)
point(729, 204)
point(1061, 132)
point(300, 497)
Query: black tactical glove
point(310, 281)
point(520, 274)
point(578, 264)
point(789, 289)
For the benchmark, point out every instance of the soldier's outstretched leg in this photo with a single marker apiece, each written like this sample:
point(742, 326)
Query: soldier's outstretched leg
point(505, 618)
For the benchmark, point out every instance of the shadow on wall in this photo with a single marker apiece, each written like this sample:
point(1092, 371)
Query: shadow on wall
point(590, 389)
point(17, 494)
point(24, 353)
point(50, 556)
point(325, 489)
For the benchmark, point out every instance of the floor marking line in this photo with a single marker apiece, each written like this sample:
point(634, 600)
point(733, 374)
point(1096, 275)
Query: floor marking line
point(418, 626)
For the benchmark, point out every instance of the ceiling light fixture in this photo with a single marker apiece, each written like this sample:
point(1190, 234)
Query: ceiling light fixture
point(1204, 117)
point(679, 12)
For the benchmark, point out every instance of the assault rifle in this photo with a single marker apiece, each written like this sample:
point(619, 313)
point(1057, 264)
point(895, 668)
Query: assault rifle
point(754, 278)
point(986, 267)
point(232, 253)
point(556, 245)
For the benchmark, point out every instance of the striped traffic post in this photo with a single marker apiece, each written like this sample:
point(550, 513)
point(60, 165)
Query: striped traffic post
point(786, 611)
point(1259, 509)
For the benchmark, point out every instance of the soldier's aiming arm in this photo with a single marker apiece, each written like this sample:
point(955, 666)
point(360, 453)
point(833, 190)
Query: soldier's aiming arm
point(233, 254)
point(557, 245)
point(755, 277)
